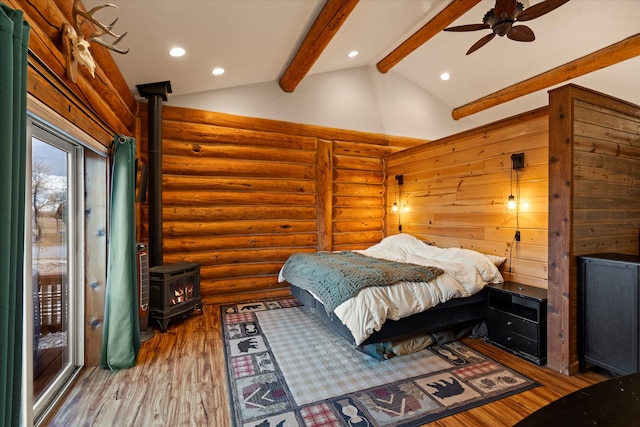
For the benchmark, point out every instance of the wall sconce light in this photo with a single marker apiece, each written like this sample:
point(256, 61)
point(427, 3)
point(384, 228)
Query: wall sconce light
point(517, 162)
point(399, 181)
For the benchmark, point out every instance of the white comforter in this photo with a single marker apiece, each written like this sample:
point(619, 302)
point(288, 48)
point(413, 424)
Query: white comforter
point(465, 273)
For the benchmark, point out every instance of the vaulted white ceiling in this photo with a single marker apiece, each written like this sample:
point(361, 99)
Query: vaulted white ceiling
point(255, 40)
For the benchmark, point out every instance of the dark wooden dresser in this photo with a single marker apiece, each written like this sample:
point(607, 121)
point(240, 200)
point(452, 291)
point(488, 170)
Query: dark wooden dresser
point(608, 321)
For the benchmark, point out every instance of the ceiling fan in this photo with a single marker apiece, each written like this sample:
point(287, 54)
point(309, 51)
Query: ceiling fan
point(503, 16)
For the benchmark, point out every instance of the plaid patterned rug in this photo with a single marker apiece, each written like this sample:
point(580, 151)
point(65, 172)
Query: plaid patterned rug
point(285, 368)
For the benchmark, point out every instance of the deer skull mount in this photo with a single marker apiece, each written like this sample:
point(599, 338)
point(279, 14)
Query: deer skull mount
point(76, 46)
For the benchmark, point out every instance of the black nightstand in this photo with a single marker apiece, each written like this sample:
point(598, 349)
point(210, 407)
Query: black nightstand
point(517, 320)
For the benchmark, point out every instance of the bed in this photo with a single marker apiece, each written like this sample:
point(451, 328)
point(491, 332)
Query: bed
point(374, 316)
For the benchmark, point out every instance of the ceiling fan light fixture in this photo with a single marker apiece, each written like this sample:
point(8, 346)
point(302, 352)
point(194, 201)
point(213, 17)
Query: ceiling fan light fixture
point(501, 19)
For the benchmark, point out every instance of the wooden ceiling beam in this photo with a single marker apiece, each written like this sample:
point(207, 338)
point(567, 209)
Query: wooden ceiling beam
point(331, 17)
point(456, 9)
point(610, 55)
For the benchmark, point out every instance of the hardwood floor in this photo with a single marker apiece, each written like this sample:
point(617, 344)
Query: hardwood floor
point(48, 364)
point(180, 380)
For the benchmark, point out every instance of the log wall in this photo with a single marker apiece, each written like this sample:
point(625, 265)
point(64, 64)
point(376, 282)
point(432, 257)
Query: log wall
point(455, 192)
point(240, 195)
point(100, 107)
point(594, 199)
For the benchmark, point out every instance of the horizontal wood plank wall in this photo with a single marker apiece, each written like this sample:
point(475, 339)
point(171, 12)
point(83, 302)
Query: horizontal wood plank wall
point(594, 201)
point(606, 192)
point(455, 192)
point(100, 106)
point(358, 194)
point(240, 195)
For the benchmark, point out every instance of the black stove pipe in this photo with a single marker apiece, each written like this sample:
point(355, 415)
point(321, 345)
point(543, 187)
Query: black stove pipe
point(155, 94)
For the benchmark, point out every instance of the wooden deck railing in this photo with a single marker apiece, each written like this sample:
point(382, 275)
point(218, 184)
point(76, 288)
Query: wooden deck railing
point(50, 290)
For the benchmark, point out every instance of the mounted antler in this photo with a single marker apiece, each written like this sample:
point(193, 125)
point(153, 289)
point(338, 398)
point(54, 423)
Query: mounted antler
point(77, 46)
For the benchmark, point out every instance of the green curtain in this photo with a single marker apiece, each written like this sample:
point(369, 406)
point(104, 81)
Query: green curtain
point(121, 333)
point(14, 42)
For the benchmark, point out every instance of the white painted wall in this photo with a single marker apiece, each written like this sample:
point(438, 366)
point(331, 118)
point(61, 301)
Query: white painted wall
point(357, 99)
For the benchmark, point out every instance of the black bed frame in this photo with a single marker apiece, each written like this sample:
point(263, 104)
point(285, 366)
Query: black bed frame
point(454, 314)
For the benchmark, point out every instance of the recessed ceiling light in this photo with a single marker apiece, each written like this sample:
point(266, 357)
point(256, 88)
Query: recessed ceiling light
point(217, 71)
point(353, 53)
point(177, 51)
point(445, 76)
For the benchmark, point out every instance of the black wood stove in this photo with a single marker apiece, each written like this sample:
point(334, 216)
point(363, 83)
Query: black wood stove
point(174, 291)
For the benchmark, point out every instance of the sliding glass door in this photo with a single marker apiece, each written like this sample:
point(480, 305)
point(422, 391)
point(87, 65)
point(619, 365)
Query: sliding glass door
point(55, 232)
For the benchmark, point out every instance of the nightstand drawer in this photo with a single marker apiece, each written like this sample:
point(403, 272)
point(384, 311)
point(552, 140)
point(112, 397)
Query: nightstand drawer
point(515, 342)
point(511, 324)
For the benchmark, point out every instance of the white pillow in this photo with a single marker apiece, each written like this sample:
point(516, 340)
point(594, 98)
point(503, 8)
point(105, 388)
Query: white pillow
point(403, 246)
point(396, 247)
point(482, 263)
point(495, 259)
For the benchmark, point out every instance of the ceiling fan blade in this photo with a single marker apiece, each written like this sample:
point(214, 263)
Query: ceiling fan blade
point(504, 8)
point(486, 39)
point(521, 33)
point(540, 9)
point(470, 27)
